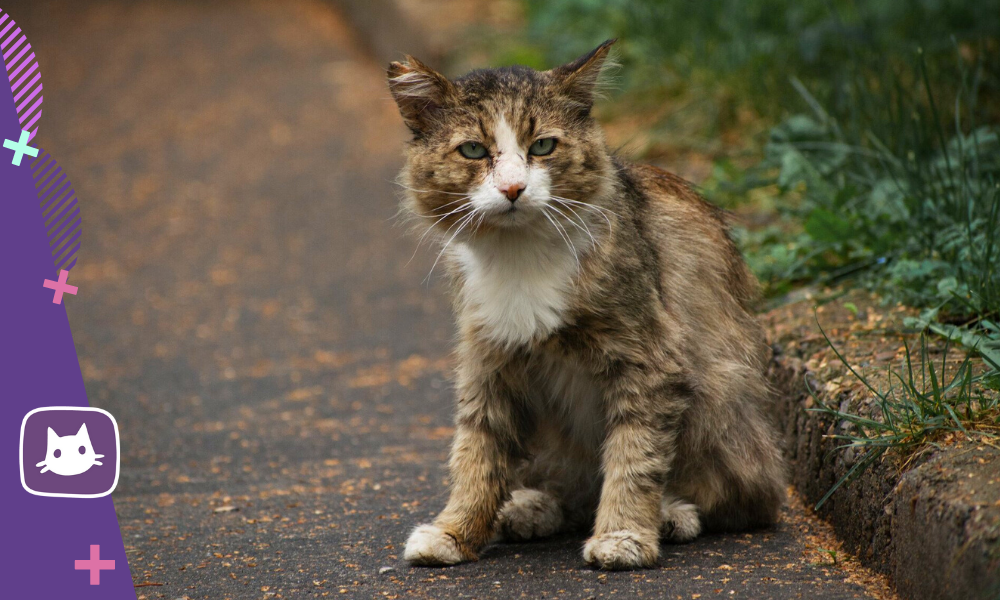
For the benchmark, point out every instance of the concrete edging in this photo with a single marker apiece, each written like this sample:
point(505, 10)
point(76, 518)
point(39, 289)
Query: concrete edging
point(934, 529)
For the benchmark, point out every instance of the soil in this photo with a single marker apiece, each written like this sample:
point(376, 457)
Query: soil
point(928, 516)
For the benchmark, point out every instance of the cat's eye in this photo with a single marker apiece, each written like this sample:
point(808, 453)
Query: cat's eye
point(57, 453)
point(472, 150)
point(542, 147)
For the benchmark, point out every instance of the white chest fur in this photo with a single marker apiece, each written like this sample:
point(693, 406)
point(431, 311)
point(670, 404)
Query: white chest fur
point(517, 288)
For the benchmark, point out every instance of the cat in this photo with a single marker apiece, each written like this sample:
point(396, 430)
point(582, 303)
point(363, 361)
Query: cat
point(70, 454)
point(610, 367)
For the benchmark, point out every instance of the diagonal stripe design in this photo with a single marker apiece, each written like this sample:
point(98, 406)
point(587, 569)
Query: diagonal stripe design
point(60, 210)
point(22, 73)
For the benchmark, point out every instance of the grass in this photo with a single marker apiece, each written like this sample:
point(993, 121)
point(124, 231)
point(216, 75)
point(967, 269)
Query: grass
point(922, 402)
point(878, 165)
point(902, 205)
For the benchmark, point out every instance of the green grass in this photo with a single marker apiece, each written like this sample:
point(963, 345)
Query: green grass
point(897, 199)
point(922, 401)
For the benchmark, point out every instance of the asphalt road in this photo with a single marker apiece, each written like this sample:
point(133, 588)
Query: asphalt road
point(249, 312)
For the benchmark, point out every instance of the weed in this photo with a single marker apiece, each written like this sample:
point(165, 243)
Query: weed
point(921, 403)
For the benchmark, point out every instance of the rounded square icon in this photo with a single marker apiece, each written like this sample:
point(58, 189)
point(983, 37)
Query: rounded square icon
point(69, 452)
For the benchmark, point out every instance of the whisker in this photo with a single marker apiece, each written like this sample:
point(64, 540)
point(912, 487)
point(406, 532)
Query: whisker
point(581, 203)
point(405, 187)
point(585, 228)
point(432, 226)
point(437, 208)
point(563, 234)
point(576, 253)
point(462, 224)
point(479, 223)
point(600, 210)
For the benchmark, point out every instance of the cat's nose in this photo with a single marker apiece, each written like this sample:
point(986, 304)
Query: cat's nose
point(512, 191)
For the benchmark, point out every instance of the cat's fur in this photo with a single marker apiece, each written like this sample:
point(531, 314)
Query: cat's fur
point(610, 368)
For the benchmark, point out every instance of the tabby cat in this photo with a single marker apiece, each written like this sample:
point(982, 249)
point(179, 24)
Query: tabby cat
point(610, 367)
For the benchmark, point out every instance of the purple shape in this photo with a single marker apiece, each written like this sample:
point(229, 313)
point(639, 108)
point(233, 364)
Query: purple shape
point(65, 422)
point(45, 536)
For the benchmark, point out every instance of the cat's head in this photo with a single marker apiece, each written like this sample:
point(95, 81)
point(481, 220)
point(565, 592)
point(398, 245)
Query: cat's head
point(69, 454)
point(501, 149)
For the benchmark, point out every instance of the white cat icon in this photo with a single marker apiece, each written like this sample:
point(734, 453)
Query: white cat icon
point(70, 454)
point(84, 462)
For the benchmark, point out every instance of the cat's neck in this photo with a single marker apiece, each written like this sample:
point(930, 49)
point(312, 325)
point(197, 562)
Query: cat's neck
point(518, 285)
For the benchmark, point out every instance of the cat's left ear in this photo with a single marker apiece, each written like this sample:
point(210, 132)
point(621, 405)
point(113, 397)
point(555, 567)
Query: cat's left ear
point(420, 92)
point(83, 431)
point(580, 79)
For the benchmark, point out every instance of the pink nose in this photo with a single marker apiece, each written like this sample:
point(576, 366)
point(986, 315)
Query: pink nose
point(513, 191)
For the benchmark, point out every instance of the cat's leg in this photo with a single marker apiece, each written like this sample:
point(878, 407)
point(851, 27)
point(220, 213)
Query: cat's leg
point(680, 522)
point(488, 434)
point(732, 469)
point(636, 457)
point(753, 487)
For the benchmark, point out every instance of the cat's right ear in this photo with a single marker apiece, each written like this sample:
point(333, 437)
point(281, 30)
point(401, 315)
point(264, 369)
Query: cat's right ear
point(581, 79)
point(52, 436)
point(420, 92)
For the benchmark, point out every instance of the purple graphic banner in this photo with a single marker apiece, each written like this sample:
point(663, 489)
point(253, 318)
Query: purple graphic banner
point(53, 547)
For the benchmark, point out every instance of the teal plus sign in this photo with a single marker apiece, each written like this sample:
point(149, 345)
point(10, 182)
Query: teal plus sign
point(20, 148)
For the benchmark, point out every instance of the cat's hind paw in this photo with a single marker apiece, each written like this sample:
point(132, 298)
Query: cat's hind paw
point(529, 514)
point(622, 550)
point(431, 546)
point(680, 521)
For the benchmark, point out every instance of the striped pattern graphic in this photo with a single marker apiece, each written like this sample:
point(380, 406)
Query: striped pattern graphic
point(23, 74)
point(60, 211)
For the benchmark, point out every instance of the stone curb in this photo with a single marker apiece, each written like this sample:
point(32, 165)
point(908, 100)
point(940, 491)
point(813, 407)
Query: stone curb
point(933, 529)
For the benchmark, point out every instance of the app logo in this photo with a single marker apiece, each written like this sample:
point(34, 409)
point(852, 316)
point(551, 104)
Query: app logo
point(69, 455)
point(69, 452)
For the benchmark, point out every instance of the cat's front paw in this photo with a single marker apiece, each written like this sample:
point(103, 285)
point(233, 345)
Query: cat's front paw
point(622, 550)
point(431, 546)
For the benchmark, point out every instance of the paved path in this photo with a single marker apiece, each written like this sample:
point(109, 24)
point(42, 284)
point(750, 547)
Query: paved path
point(247, 312)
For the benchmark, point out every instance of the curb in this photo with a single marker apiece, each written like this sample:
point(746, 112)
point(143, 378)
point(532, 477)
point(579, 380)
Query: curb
point(934, 529)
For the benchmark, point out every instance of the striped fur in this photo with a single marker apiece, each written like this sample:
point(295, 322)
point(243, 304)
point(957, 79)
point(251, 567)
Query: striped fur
point(610, 367)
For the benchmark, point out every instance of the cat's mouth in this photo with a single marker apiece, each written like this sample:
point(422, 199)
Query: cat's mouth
point(510, 215)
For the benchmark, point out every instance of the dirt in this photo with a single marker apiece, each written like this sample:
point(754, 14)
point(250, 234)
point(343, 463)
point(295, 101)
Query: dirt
point(929, 516)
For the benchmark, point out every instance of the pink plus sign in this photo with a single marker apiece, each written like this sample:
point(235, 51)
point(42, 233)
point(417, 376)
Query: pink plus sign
point(95, 565)
point(60, 287)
